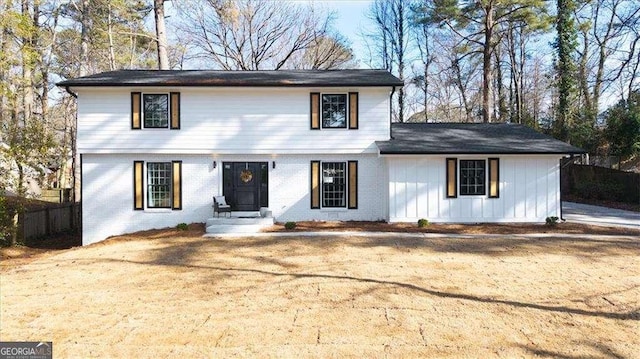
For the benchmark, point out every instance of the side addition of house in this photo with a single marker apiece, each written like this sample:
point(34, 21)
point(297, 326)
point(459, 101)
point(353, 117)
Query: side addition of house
point(157, 146)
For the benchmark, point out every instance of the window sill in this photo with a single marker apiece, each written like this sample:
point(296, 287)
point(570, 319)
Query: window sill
point(157, 210)
point(332, 209)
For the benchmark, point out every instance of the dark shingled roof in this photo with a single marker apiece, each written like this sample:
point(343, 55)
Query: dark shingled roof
point(237, 78)
point(470, 138)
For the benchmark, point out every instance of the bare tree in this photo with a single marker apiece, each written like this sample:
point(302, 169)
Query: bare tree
point(85, 14)
point(424, 40)
point(605, 27)
point(480, 24)
point(389, 40)
point(252, 34)
point(326, 52)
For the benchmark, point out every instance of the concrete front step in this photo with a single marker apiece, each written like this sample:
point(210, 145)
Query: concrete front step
point(235, 221)
point(225, 228)
point(237, 225)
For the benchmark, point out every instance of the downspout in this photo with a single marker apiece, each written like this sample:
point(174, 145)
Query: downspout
point(393, 90)
point(386, 160)
point(561, 167)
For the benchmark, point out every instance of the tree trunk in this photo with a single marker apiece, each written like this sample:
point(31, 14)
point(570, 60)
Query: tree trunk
point(400, 14)
point(502, 105)
point(462, 89)
point(42, 62)
point(84, 37)
point(515, 77)
point(5, 34)
point(426, 91)
point(486, 65)
point(584, 86)
point(520, 77)
point(163, 59)
point(112, 55)
point(27, 66)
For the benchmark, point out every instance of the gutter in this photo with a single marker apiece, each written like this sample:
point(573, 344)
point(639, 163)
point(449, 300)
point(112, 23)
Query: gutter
point(75, 95)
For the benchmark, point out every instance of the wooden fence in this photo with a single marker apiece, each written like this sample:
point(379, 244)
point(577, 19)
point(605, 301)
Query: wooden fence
point(40, 223)
point(601, 183)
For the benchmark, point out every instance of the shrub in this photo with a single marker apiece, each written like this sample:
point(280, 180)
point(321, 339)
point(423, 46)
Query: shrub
point(551, 221)
point(182, 227)
point(423, 223)
point(290, 225)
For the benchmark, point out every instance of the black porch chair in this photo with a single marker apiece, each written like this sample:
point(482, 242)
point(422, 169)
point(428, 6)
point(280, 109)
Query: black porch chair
point(220, 205)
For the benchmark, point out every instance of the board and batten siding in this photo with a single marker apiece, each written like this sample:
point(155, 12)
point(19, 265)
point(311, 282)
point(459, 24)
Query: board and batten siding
point(529, 191)
point(229, 121)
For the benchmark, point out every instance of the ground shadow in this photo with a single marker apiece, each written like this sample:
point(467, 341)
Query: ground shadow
point(182, 258)
point(604, 350)
point(514, 245)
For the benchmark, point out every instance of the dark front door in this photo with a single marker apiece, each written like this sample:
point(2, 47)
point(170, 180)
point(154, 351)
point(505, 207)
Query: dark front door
point(245, 185)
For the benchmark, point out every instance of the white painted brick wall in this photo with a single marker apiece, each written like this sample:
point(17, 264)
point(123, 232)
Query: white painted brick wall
point(290, 189)
point(108, 191)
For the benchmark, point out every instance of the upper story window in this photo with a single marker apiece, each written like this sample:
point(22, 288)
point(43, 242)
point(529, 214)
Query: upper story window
point(155, 110)
point(334, 111)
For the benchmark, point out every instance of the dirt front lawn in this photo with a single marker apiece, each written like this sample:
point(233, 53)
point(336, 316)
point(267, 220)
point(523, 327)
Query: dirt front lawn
point(160, 294)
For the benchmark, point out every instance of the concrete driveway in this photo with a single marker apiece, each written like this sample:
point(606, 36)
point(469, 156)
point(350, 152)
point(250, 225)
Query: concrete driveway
point(585, 213)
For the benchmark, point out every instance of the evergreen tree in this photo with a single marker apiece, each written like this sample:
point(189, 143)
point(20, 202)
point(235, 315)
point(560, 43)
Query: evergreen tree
point(623, 126)
point(565, 45)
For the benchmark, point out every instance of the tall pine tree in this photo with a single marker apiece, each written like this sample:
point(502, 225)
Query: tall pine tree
point(481, 24)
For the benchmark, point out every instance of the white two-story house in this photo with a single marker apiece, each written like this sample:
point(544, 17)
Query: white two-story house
point(156, 146)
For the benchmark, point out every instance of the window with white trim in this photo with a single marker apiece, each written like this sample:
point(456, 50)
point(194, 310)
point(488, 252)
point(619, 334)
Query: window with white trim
point(472, 177)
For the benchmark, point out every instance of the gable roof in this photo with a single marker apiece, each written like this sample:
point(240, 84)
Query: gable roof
point(330, 78)
point(470, 138)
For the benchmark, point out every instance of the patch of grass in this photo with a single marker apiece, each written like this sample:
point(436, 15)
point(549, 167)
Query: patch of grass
point(182, 227)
